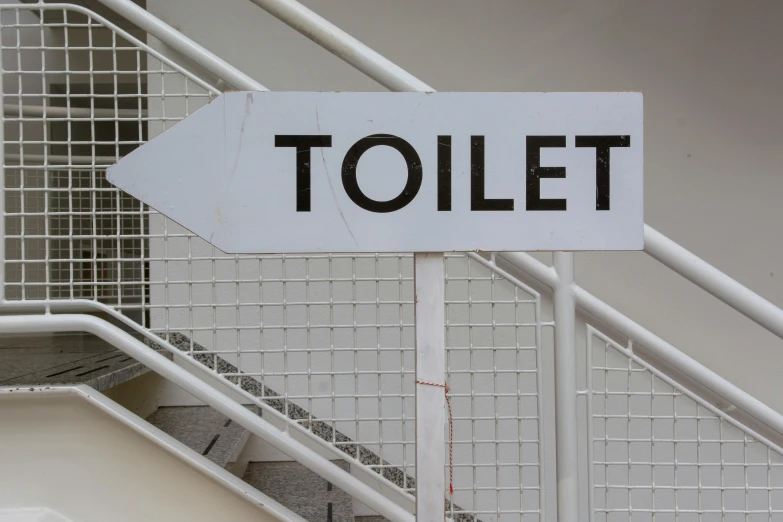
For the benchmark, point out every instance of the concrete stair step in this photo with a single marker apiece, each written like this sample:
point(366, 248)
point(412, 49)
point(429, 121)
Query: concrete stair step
point(204, 430)
point(65, 359)
point(318, 428)
point(301, 490)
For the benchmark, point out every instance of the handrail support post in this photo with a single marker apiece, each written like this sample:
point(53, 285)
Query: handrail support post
point(429, 309)
point(566, 428)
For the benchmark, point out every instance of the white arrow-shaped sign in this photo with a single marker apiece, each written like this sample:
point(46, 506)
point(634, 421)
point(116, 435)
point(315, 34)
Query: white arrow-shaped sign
point(286, 172)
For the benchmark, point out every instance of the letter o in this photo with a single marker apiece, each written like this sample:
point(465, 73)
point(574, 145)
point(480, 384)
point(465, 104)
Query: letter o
point(351, 184)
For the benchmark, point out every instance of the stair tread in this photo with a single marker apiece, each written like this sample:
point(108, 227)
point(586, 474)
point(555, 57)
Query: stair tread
point(301, 490)
point(66, 359)
point(321, 429)
point(202, 429)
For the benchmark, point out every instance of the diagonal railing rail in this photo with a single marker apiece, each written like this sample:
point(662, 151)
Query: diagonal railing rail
point(393, 77)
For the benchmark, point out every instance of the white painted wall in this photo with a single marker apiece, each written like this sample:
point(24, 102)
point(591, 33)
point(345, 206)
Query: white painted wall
point(711, 74)
point(62, 453)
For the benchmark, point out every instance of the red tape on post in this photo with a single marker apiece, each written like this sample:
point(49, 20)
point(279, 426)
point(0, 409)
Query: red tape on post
point(451, 430)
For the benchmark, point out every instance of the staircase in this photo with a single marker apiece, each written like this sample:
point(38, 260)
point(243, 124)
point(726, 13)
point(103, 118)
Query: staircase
point(66, 359)
point(38, 362)
point(215, 437)
point(205, 431)
point(306, 362)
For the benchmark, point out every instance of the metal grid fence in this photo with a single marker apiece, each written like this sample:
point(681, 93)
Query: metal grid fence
point(661, 453)
point(76, 97)
point(494, 368)
point(327, 340)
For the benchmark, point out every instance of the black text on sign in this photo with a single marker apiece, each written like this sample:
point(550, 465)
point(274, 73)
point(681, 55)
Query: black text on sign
point(270, 172)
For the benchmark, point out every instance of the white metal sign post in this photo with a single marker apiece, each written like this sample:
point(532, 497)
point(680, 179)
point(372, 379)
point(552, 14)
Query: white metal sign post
point(430, 396)
point(288, 172)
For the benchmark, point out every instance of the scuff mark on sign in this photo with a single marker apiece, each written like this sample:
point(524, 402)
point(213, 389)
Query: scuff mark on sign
point(248, 103)
point(415, 111)
point(331, 186)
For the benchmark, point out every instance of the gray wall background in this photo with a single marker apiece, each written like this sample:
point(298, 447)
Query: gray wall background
point(711, 74)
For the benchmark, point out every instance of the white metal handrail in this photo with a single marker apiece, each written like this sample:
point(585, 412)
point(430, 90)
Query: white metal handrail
point(568, 294)
point(709, 278)
point(84, 305)
point(343, 45)
point(657, 346)
point(29, 324)
point(161, 439)
point(390, 75)
point(689, 266)
point(183, 45)
point(395, 78)
point(49, 323)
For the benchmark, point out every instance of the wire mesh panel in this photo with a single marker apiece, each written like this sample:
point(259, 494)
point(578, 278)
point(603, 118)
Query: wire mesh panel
point(330, 334)
point(325, 341)
point(328, 340)
point(493, 334)
point(661, 453)
point(76, 98)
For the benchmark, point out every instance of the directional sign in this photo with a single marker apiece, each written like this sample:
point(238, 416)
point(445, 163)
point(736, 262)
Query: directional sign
point(277, 172)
